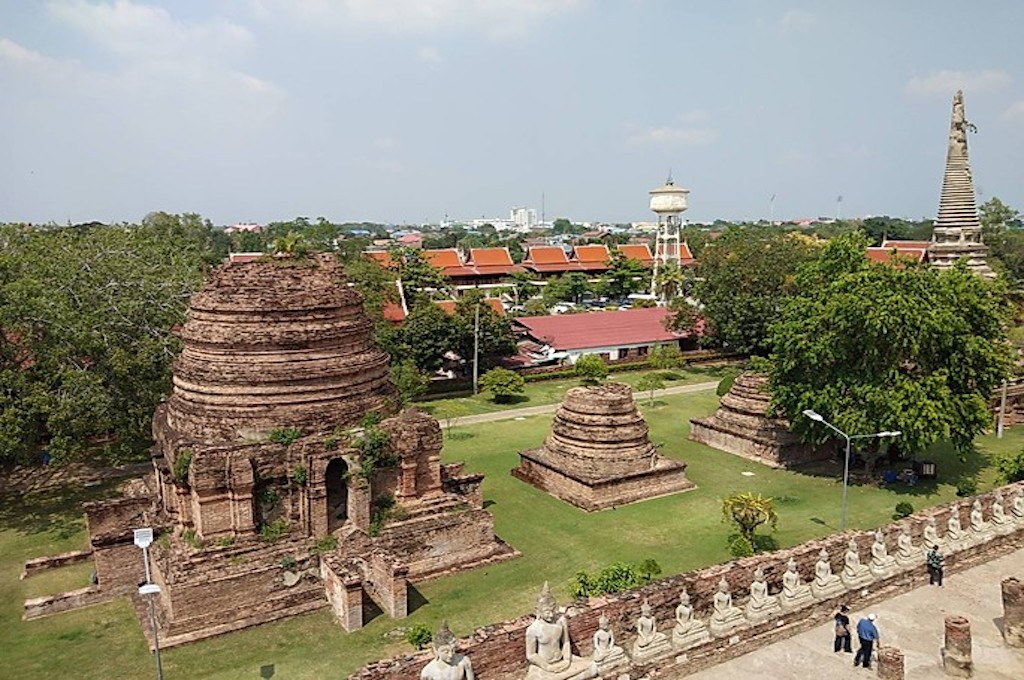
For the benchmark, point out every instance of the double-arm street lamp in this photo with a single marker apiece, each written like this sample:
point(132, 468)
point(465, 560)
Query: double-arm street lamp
point(816, 417)
point(149, 591)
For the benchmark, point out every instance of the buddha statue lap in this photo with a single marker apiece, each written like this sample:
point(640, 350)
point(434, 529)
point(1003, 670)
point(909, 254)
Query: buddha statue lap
point(688, 631)
point(795, 593)
point(548, 648)
point(761, 606)
point(649, 641)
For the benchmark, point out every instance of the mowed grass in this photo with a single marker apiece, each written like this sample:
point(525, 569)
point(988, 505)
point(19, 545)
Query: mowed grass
point(681, 532)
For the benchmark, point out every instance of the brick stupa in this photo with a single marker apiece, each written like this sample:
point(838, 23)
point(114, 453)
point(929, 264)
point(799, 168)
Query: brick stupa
point(264, 494)
point(598, 454)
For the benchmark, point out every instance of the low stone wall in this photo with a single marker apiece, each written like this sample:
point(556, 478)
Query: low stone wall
point(497, 651)
point(39, 607)
point(39, 564)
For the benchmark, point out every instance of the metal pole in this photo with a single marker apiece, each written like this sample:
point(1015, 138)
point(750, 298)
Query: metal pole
point(476, 348)
point(156, 639)
point(846, 481)
point(145, 560)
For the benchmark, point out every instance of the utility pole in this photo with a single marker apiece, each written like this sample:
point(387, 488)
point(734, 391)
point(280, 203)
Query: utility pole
point(476, 347)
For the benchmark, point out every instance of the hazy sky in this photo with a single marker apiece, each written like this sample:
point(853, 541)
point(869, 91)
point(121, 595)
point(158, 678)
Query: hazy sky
point(405, 110)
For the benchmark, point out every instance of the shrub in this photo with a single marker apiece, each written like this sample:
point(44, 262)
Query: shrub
point(375, 447)
point(409, 381)
point(225, 542)
point(181, 465)
point(284, 435)
point(966, 486)
point(274, 531)
point(419, 636)
point(1010, 467)
point(331, 442)
point(190, 537)
point(371, 419)
point(289, 562)
point(591, 369)
point(325, 545)
point(649, 569)
point(300, 475)
point(614, 578)
point(747, 511)
point(903, 509)
point(503, 384)
point(740, 546)
point(725, 384)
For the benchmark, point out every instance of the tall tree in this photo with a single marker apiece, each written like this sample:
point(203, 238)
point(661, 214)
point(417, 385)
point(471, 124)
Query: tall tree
point(873, 347)
point(744, 278)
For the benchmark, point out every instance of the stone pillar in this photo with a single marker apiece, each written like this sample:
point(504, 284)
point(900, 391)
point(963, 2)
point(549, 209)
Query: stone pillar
point(956, 654)
point(359, 503)
point(1013, 612)
point(407, 479)
point(890, 663)
point(432, 481)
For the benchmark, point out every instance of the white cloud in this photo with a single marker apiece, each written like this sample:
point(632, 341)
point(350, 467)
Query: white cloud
point(494, 17)
point(798, 20)
point(677, 136)
point(1014, 112)
point(947, 81)
point(12, 51)
point(430, 55)
point(388, 143)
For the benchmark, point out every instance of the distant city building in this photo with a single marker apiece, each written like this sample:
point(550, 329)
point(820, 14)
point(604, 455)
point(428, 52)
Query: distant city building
point(524, 218)
point(244, 227)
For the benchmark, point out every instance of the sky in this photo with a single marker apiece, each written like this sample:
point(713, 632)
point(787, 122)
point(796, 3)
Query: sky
point(405, 111)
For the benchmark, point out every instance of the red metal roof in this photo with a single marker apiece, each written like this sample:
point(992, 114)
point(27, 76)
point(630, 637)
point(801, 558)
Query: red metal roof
point(600, 329)
point(896, 255)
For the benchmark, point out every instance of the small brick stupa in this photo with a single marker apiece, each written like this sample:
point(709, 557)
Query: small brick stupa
point(598, 454)
point(284, 480)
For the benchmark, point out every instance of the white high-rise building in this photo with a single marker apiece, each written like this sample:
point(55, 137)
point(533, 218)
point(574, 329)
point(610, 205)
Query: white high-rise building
point(525, 218)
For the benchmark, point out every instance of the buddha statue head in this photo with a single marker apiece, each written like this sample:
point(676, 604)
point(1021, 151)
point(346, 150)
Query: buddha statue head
point(684, 597)
point(645, 609)
point(759, 575)
point(547, 608)
point(444, 644)
point(791, 565)
point(603, 622)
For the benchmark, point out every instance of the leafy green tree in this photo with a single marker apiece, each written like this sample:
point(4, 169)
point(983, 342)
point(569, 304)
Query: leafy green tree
point(649, 382)
point(748, 511)
point(408, 380)
point(503, 384)
point(523, 286)
point(496, 339)
point(420, 278)
point(873, 348)
point(879, 228)
point(1006, 243)
point(665, 357)
point(423, 338)
point(673, 281)
point(571, 287)
point(745, 277)
point(625, 276)
point(561, 226)
point(591, 369)
point(375, 283)
point(1011, 467)
point(85, 331)
point(995, 215)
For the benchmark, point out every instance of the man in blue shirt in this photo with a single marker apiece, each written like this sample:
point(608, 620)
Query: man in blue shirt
point(868, 634)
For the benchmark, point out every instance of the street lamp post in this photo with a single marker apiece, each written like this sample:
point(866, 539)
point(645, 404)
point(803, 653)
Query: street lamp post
point(149, 590)
point(816, 417)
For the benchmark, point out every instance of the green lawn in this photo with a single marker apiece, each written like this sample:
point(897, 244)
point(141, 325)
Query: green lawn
point(681, 532)
point(552, 391)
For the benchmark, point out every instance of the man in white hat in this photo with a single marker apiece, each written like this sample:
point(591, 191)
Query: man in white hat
point(868, 635)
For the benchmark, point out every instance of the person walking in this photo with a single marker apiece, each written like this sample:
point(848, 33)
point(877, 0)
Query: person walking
point(935, 566)
point(867, 633)
point(843, 630)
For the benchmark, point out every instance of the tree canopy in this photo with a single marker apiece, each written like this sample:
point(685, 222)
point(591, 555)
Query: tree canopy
point(874, 347)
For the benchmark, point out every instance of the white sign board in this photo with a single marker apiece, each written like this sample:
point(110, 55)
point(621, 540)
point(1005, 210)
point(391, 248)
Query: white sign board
point(144, 537)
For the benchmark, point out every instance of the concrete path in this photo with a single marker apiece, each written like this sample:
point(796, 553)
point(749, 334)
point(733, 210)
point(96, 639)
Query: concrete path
point(913, 622)
point(551, 408)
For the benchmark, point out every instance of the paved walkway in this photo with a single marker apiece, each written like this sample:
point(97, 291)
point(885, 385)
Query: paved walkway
point(913, 622)
point(551, 408)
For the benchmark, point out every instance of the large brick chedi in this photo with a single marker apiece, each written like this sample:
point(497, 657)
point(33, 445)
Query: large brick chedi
point(598, 454)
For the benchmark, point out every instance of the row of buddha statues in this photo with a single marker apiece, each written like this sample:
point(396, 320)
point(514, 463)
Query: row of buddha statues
point(549, 650)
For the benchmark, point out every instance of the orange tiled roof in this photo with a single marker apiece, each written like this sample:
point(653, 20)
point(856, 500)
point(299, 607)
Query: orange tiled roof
point(382, 257)
point(546, 255)
point(449, 305)
point(896, 256)
point(592, 253)
point(641, 252)
point(442, 258)
point(900, 245)
point(490, 257)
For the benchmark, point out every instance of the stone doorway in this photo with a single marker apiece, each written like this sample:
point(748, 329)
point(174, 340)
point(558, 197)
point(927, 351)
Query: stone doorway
point(336, 479)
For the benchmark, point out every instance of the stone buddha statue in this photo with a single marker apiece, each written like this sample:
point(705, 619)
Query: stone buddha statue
point(761, 606)
point(855, 574)
point(448, 664)
point(1017, 506)
point(825, 584)
point(548, 648)
point(931, 534)
point(724, 616)
point(980, 529)
point(907, 554)
point(795, 593)
point(1000, 521)
point(954, 531)
point(688, 630)
point(882, 563)
point(607, 655)
point(649, 641)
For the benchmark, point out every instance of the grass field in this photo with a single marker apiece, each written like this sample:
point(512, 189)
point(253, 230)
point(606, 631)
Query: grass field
point(680, 532)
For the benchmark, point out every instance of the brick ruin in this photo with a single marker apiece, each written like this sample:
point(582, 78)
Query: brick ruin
point(284, 477)
point(496, 650)
point(598, 454)
point(742, 426)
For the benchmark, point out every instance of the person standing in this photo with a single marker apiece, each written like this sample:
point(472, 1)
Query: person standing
point(867, 633)
point(935, 566)
point(843, 630)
